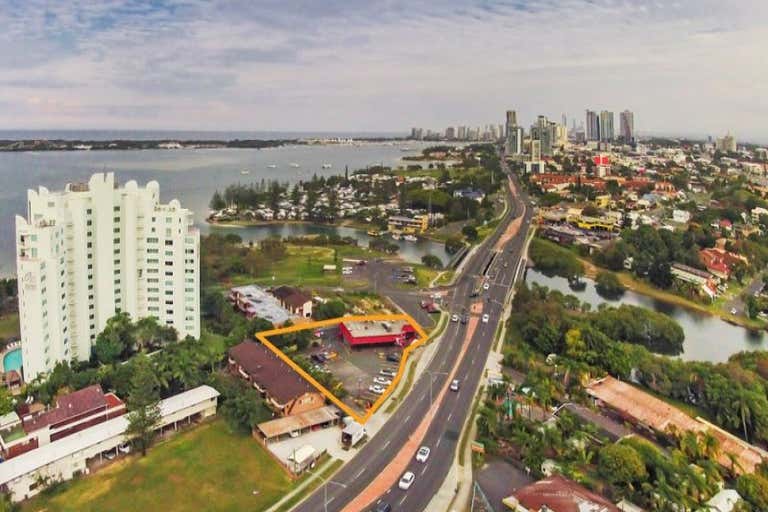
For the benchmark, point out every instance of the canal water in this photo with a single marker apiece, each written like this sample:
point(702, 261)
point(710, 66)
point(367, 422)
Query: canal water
point(191, 176)
point(409, 251)
point(707, 338)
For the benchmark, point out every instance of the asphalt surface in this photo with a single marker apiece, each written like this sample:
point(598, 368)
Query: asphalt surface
point(445, 430)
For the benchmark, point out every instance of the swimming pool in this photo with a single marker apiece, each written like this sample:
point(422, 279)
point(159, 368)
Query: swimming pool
point(12, 360)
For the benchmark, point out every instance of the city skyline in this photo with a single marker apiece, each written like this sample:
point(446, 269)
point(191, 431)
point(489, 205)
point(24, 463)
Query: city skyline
point(331, 67)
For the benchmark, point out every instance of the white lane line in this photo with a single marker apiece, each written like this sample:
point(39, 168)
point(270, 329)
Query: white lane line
point(331, 499)
point(438, 442)
point(360, 473)
point(407, 418)
point(402, 500)
point(424, 470)
point(385, 445)
point(389, 491)
point(450, 415)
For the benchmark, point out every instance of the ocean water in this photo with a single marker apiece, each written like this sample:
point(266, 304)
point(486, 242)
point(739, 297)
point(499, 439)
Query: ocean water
point(188, 175)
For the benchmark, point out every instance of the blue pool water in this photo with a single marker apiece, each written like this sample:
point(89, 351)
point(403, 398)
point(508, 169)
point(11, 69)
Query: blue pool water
point(12, 360)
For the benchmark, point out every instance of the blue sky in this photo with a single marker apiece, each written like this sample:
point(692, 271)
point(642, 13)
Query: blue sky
point(683, 66)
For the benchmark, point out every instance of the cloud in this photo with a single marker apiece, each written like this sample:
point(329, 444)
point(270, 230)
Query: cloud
point(686, 66)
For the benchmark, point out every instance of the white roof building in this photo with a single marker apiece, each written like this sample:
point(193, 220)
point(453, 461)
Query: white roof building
point(68, 457)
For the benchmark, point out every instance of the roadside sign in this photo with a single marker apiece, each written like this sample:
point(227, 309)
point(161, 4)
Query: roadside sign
point(478, 447)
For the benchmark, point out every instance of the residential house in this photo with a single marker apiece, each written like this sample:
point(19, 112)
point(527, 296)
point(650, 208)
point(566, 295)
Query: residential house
point(557, 494)
point(293, 300)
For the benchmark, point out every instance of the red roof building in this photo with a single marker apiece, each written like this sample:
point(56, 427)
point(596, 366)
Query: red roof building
point(558, 494)
point(73, 412)
point(383, 332)
point(720, 262)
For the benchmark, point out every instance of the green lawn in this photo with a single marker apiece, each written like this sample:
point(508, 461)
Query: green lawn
point(207, 468)
point(9, 326)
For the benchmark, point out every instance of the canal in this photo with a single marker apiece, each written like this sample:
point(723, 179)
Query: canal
point(409, 251)
point(707, 338)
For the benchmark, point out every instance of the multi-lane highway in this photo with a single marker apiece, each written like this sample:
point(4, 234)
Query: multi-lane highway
point(500, 259)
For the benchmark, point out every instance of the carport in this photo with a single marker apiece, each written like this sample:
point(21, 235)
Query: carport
point(274, 430)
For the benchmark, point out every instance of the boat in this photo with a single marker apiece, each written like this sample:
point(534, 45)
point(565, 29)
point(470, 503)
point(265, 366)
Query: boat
point(245, 171)
point(373, 232)
point(395, 236)
point(327, 166)
point(295, 165)
point(271, 166)
point(410, 238)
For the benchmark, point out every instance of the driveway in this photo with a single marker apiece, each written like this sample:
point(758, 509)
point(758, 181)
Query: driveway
point(499, 479)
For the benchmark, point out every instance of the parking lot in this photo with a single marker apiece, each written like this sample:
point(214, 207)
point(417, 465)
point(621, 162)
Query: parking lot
point(358, 369)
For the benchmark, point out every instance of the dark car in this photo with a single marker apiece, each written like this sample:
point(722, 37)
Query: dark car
point(383, 507)
point(393, 357)
point(464, 318)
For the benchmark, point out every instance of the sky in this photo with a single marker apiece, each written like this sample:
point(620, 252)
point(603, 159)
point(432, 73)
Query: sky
point(683, 66)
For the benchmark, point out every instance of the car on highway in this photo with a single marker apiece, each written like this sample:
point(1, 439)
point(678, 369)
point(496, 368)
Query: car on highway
point(464, 318)
point(486, 285)
point(375, 388)
point(406, 480)
point(486, 318)
point(455, 385)
point(393, 357)
point(387, 372)
point(423, 454)
point(382, 381)
point(454, 317)
point(383, 507)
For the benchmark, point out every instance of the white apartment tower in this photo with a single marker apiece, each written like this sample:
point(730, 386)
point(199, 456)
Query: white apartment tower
point(95, 249)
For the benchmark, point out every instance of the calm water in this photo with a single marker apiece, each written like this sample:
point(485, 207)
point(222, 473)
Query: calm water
point(707, 338)
point(409, 251)
point(188, 175)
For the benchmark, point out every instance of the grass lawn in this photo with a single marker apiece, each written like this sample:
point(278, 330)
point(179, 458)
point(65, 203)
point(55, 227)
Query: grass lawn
point(9, 326)
point(303, 266)
point(207, 468)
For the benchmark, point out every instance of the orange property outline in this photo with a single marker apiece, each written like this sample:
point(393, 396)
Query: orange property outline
point(263, 335)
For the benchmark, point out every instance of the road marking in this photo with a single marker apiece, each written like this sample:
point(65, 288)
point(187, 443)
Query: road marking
point(407, 418)
point(360, 473)
point(424, 470)
point(450, 415)
point(386, 444)
point(402, 500)
point(389, 491)
point(332, 498)
point(438, 442)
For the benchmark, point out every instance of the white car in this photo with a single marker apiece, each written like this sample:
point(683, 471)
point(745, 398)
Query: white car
point(486, 285)
point(486, 318)
point(406, 481)
point(454, 318)
point(124, 448)
point(455, 385)
point(387, 373)
point(423, 454)
point(382, 381)
point(375, 388)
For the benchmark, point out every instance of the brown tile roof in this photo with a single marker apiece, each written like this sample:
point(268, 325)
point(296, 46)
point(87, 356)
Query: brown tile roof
point(68, 406)
point(291, 296)
point(269, 371)
point(562, 495)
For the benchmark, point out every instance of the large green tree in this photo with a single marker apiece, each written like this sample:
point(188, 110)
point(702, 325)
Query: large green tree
point(143, 404)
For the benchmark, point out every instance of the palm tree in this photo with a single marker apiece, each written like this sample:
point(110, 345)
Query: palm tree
point(745, 412)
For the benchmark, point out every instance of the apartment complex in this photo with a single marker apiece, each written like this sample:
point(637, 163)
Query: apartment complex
point(95, 249)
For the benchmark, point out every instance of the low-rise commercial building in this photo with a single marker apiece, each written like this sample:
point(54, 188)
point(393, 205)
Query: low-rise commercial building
point(382, 332)
point(401, 224)
point(557, 494)
point(658, 417)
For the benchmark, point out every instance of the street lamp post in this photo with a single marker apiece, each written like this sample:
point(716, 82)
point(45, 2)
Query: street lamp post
point(431, 375)
point(325, 489)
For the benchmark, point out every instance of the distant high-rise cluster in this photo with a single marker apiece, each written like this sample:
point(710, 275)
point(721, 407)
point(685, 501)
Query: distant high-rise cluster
point(489, 132)
point(545, 136)
point(600, 127)
point(726, 144)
